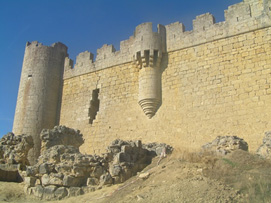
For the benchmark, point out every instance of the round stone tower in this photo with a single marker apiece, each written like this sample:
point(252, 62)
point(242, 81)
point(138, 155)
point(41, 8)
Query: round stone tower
point(149, 47)
point(39, 95)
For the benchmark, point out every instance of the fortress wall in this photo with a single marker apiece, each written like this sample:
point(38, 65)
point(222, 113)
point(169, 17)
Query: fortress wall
point(221, 87)
point(117, 115)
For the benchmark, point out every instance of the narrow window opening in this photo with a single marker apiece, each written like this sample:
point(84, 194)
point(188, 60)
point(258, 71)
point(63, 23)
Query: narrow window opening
point(155, 57)
point(138, 58)
point(94, 105)
point(29, 76)
point(147, 57)
point(237, 19)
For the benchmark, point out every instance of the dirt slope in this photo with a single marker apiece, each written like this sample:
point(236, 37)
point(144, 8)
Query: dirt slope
point(192, 178)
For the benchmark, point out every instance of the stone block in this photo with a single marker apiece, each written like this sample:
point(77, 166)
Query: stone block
point(71, 181)
point(106, 179)
point(38, 191)
point(97, 172)
point(49, 192)
point(115, 170)
point(75, 191)
point(30, 181)
point(92, 181)
point(60, 193)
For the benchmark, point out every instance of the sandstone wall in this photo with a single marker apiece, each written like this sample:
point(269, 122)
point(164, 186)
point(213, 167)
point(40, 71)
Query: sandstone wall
point(221, 87)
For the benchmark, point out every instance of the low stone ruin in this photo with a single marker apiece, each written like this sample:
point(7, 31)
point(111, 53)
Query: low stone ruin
point(223, 145)
point(60, 135)
point(14, 149)
point(13, 156)
point(62, 171)
point(265, 149)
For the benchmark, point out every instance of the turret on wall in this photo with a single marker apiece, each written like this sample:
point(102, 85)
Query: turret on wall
point(149, 47)
point(39, 95)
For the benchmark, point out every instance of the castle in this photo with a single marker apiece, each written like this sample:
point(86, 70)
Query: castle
point(175, 86)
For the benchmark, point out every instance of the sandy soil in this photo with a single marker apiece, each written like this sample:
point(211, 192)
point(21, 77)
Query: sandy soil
point(173, 180)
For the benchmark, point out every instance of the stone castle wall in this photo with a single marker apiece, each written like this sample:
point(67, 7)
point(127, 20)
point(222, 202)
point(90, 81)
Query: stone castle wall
point(213, 80)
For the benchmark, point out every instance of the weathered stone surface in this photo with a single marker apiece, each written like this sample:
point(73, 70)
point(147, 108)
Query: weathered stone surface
point(54, 154)
point(115, 169)
point(30, 181)
point(71, 181)
point(75, 191)
point(49, 192)
point(10, 173)
point(144, 175)
point(223, 145)
point(14, 149)
point(61, 192)
point(92, 181)
point(38, 191)
point(106, 179)
point(52, 179)
point(44, 168)
point(157, 148)
point(31, 170)
point(265, 149)
point(60, 135)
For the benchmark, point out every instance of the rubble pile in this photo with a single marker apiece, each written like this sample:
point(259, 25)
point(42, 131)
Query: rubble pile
point(223, 145)
point(63, 171)
point(13, 156)
point(14, 149)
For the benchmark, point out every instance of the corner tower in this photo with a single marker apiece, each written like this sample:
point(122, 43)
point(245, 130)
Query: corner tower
point(40, 89)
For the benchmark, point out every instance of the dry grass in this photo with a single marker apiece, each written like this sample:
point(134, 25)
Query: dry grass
point(246, 172)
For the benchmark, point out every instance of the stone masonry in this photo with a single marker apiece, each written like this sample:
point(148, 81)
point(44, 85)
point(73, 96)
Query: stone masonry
point(180, 87)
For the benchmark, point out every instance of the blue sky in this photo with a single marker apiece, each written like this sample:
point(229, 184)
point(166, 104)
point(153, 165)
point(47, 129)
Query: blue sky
point(81, 25)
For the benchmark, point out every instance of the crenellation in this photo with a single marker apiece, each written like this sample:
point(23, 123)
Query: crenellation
point(68, 64)
point(107, 51)
point(203, 22)
point(239, 18)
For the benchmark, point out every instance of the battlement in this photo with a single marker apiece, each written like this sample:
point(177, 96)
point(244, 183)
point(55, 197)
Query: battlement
point(143, 39)
point(239, 18)
point(243, 17)
point(57, 45)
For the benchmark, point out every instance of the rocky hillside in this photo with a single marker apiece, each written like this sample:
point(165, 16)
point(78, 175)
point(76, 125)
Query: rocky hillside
point(180, 177)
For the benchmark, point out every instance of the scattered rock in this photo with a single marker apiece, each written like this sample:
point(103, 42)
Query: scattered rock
point(139, 197)
point(265, 149)
point(144, 175)
point(223, 145)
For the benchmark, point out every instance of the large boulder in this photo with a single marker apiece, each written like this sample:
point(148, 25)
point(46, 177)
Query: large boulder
point(14, 149)
point(60, 135)
point(223, 145)
point(265, 149)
